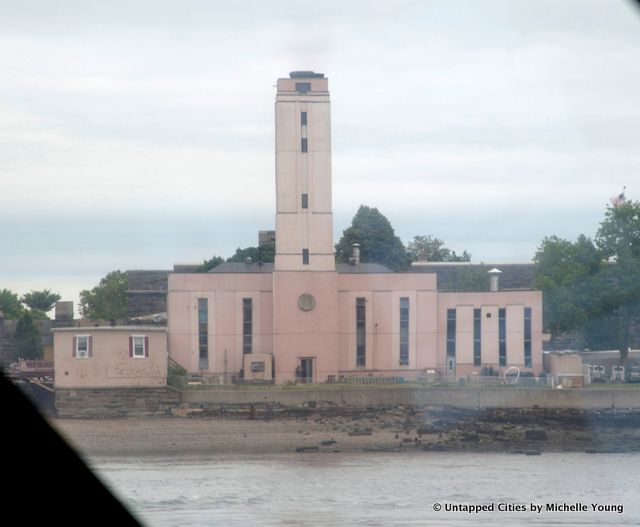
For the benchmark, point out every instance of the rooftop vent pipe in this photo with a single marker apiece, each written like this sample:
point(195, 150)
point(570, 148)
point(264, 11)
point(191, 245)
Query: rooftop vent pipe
point(494, 279)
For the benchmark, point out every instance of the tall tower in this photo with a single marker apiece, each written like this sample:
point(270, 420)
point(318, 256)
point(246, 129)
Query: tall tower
point(304, 218)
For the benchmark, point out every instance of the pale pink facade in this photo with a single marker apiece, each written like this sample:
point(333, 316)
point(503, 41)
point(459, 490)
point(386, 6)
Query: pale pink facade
point(327, 334)
point(105, 356)
point(320, 321)
point(488, 306)
point(224, 294)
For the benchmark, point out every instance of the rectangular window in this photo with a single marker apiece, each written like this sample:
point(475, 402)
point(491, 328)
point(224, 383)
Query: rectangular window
point(82, 346)
point(477, 342)
point(303, 87)
point(305, 201)
point(303, 118)
point(361, 331)
point(203, 332)
point(247, 325)
point(451, 332)
point(139, 346)
point(502, 337)
point(404, 331)
point(304, 144)
point(527, 337)
point(305, 256)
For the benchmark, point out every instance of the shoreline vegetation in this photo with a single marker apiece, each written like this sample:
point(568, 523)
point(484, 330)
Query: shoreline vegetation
point(247, 430)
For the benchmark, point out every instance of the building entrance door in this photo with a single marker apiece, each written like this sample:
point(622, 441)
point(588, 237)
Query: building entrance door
point(306, 365)
point(451, 366)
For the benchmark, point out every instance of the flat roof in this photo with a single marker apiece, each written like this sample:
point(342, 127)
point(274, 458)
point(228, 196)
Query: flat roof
point(80, 329)
point(240, 267)
point(341, 268)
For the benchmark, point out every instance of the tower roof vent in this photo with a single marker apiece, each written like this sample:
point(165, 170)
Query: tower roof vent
point(305, 75)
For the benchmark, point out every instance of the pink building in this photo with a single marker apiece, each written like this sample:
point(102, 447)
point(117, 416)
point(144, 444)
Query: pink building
point(307, 318)
point(106, 356)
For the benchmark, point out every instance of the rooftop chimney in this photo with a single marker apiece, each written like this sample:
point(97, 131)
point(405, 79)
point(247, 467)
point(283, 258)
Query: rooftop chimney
point(494, 279)
point(64, 310)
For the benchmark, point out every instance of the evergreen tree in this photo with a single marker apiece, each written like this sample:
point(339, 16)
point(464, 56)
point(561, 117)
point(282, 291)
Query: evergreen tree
point(28, 341)
point(377, 239)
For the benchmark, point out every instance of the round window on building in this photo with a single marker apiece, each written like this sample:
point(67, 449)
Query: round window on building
point(306, 302)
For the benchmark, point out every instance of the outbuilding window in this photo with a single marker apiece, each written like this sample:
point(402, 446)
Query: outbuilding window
point(139, 346)
point(82, 346)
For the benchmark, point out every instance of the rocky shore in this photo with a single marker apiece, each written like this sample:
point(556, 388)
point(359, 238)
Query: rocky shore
point(311, 428)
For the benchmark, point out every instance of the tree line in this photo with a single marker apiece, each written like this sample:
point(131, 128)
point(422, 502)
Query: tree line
point(26, 310)
point(378, 244)
point(591, 286)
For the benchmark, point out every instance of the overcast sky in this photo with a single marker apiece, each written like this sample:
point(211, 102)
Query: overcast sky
point(140, 134)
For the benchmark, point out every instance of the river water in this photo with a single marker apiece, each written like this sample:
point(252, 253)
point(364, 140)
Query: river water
point(378, 489)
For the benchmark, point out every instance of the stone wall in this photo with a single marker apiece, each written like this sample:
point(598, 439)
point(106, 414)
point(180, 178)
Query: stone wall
point(453, 397)
point(116, 402)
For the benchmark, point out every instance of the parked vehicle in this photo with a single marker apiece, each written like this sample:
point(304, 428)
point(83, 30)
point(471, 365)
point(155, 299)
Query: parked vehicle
point(617, 374)
point(634, 374)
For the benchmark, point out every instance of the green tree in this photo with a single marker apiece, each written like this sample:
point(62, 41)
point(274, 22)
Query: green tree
point(40, 302)
point(9, 304)
point(432, 249)
point(619, 234)
point(595, 288)
point(564, 271)
point(618, 239)
point(209, 264)
point(108, 300)
point(27, 336)
point(265, 253)
point(377, 239)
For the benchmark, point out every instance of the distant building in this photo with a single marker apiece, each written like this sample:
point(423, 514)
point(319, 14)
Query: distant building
point(265, 237)
point(315, 320)
point(146, 292)
point(304, 318)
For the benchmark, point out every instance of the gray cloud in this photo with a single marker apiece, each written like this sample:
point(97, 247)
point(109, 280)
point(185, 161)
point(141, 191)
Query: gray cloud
point(138, 134)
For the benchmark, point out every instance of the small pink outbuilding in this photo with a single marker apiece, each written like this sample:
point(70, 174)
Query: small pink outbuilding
point(110, 356)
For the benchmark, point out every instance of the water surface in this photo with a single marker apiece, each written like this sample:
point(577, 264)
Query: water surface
point(377, 489)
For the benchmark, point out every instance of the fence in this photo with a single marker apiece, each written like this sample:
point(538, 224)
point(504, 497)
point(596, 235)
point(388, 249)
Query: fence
point(374, 380)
